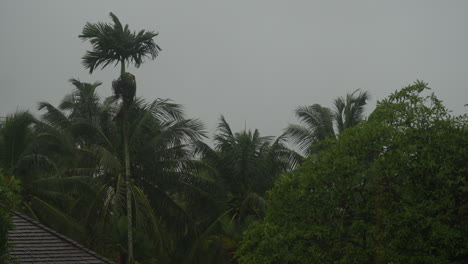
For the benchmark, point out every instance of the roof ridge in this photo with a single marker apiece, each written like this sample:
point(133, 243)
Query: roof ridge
point(62, 237)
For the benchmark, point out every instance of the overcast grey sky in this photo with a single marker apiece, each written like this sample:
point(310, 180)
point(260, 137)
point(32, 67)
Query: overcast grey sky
point(250, 60)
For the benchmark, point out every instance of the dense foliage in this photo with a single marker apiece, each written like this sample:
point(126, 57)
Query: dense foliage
point(391, 190)
point(9, 199)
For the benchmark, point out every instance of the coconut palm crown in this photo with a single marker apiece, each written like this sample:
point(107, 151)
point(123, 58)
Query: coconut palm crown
point(317, 122)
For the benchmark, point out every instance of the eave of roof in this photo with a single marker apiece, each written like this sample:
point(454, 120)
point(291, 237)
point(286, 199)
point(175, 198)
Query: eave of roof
point(36, 243)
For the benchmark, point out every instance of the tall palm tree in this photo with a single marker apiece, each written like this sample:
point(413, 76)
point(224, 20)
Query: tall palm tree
point(318, 121)
point(118, 44)
point(162, 164)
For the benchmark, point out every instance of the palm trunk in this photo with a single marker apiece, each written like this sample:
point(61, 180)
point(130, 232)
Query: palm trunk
point(127, 176)
point(122, 67)
point(129, 192)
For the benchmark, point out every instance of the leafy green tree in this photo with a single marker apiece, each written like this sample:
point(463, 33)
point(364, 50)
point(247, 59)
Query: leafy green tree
point(117, 43)
point(390, 190)
point(318, 121)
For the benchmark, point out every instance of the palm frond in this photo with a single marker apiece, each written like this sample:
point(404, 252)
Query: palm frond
point(340, 106)
point(318, 119)
point(190, 256)
point(57, 219)
point(281, 157)
point(254, 202)
point(349, 111)
point(87, 128)
point(154, 223)
point(300, 136)
point(16, 136)
point(176, 219)
point(54, 116)
point(225, 132)
point(106, 160)
point(83, 102)
point(115, 43)
point(165, 110)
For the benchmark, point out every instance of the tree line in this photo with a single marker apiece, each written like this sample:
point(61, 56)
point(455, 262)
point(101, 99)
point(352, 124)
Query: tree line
point(135, 181)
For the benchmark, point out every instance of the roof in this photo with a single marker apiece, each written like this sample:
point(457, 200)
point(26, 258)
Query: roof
point(36, 243)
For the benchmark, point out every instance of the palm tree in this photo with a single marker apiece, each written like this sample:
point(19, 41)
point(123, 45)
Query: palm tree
point(36, 154)
point(15, 136)
point(161, 165)
point(118, 44)
point(318, 121)
point(244, 165)
point(83, 103)
point(247, 164)
point(349, 111)
point(164, 172)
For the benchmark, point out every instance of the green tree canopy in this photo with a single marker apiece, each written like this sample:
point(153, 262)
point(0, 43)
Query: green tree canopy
point(391, 190)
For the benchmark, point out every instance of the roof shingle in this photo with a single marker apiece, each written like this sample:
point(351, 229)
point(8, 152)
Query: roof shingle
point(36, 243)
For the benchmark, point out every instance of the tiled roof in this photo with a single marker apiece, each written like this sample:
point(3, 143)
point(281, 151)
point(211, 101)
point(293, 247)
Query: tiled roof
point(36, 243)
